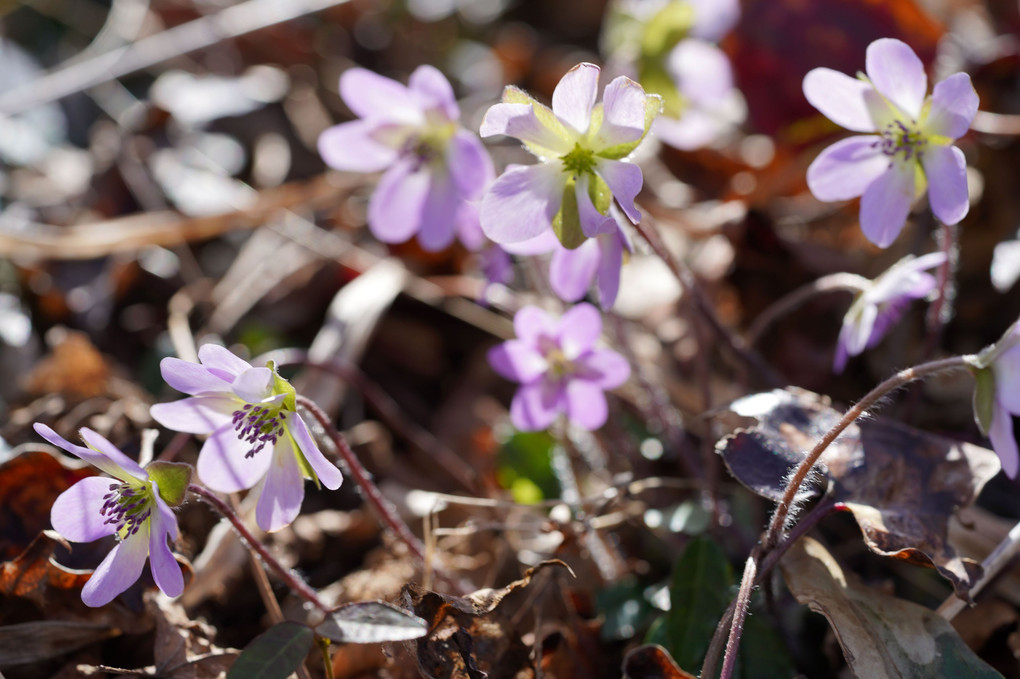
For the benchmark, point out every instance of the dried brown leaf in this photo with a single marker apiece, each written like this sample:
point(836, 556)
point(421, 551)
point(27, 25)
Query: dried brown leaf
point(652, 662)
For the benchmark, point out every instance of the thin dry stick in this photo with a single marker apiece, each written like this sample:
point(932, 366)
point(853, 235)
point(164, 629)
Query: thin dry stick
point(689, 283)
point(838, 281)
point(383, 509)
point(996, 561)
point(995, 123)
point(299, 586)
point(206, 31)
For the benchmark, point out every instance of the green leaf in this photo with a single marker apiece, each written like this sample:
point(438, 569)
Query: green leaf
point(984, 399)
point(371, 622)
point(172, 479)
point(525, 466)
point(275, 653)
point(664, 30)
point(625, 608)
point(699, 594)
point(763, 653)
point(567, 222)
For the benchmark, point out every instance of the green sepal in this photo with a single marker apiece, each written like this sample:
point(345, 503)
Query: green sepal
point(984, 399)
point(282, 386)
point(600, 193)
point(567, 222)
point(653, 106)
point(545, 116)
point(667, 28)
point(171, 479)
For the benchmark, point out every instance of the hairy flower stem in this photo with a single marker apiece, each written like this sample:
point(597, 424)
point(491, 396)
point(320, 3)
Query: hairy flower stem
point(941, 309)
point(791, 301)
point(383, 509)
point(689, 283)
point(297, 585)
point(777, 527)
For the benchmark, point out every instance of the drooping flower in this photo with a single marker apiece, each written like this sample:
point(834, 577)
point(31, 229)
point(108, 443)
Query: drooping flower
point(597, 261)
point(910, 142)
point(583, 147)
point(668, 47)
point(256, 433)
point(882, 303)
point(559, 368)
point(433, 165)
point(134, 506)
point(997, 396)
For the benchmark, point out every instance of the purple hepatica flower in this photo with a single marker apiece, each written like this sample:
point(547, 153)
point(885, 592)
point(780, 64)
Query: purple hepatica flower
point(582, 147)
point(559, 368)
point(433, 166)
point(997, 396)
point(130, 506)
point(572, 272)
point(883, 303)
point(255, 432)
point(910, 145)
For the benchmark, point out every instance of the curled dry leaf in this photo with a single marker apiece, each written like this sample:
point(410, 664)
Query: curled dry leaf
point(652, 662)
point(901, 484)
point(468, 636)
point(881, 636)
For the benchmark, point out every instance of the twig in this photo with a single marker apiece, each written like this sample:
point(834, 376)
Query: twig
point(231, 22)
point(299, 586)
point(786, 304)
point(383, 509)
point(995, 123)
point(689, 283)
point(996, 561)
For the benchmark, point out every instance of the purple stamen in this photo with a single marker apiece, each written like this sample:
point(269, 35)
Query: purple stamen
point(257, 425)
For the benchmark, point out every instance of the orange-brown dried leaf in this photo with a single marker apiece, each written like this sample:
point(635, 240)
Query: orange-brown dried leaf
point(901, 484)
point(74, 368)
point(33, 574)
point(652, 662)
point(29, 484)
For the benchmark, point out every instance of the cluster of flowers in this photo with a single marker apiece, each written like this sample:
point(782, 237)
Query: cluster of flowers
point(576, 203)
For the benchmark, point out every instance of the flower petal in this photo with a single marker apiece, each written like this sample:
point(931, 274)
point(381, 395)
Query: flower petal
point(605, 367)
point(571, 272)
point(191, 378)
point(886, 203)
point(75, 513)
point(586, 405)
point(695, 129)
point(897, 74)
point(394, 211)
point(470, 165)
point(221, 361)
point(953, 106)
point(714, 18)
point(906, 278)
point(118, 571)
point(222, 464)
point(254, 385)
point(100, 461)
point(1007, 379)
point(575, 94)
point(434, 91)
point(328, 474)
point(840, 98)
point(197, 414)
point(165, 569)
point(439, 212)
point(370, 95)
point(521, 122)
point(351, 147)
point(623, 118)
point(860, 325)
point(517, 361)
point(702, 72)
point(541, 244)
point(579, 329)
point(946, 170)
point(846, 169)
point(607, 278)
point(625, 180)
point(593, 222)
point(283, 492)
point(1004, 441)
point(530, 323)
point(521, 204)
point(536, 405)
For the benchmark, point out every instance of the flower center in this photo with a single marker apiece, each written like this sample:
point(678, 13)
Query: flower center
point(429, 146)
point(559, 365)
point(258, 425)
point(578, 161)
point(127, 506)
point(899, 138)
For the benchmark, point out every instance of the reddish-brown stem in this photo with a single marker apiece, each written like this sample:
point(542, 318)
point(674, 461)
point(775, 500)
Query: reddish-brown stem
point(941, 308)
point(299, 586)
